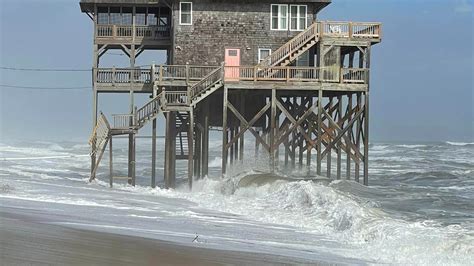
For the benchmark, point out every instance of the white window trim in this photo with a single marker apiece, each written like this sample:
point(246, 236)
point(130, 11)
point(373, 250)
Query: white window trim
point(271, 17)
point(260, 55)
point(298, 18)
point(180, 5)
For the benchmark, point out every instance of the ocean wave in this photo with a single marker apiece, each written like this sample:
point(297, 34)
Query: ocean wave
point(453, 143)
point(412, 146)
point(320, 209)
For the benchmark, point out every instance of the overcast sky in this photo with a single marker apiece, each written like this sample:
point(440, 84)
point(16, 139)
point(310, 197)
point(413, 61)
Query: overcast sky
point(421, 79)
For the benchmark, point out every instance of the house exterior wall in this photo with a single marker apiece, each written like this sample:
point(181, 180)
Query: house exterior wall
point(221, 24)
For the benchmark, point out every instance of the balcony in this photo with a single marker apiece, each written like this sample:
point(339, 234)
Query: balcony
point(124, 79)
point(351, 30)
point(117, 34)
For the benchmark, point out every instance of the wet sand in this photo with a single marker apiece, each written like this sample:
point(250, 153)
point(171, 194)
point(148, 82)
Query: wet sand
point(27, 240)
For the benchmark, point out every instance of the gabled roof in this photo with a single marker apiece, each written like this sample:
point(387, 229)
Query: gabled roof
point(88, 5)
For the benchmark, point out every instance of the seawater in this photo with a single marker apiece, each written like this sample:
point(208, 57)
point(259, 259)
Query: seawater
point(418, 209)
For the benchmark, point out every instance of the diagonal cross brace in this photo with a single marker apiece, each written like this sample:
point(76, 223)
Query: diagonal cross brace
point(248, 125)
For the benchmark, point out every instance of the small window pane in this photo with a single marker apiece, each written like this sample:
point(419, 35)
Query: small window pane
point(232, 52)
point(152, 18)
point(185, 13)
point(185, 18)
point(127, 15)
point(140, 16)
point(102, 15)
point(275, 23)
point(263, 53)
point(115, 17)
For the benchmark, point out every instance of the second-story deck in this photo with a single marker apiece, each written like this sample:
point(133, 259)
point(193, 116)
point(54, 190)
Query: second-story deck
point(243, 77)
point(129, 34)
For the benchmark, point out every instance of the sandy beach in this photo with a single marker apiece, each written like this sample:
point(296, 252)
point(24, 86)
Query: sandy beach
point(27, 239)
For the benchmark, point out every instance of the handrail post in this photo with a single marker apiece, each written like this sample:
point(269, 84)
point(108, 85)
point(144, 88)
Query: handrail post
point(255, 73)
point(135, 116)
point(351, 30)
point(160, 78)
point(287, 74)
point(321, 29)
point(152, 75)
point(341, 76)
point(187, 74)
point(114, 31)
point(223, 71)
point(113, 76)
point(94, 76)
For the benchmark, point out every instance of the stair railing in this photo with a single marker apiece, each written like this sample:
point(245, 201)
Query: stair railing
point(208, 81)
point(291, 46)
point(149, 110)
point(100, 134)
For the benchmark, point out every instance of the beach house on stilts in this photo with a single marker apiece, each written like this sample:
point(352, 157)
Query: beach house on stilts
point(267, 69)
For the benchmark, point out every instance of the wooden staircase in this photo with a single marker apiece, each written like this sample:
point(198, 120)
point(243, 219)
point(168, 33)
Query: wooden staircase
point(294, 48)
point(98, 141)
point(196, 93)
point(123, 124)
point(182, 137)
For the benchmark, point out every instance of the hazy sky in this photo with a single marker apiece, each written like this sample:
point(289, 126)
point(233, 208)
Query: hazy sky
point(421, 87)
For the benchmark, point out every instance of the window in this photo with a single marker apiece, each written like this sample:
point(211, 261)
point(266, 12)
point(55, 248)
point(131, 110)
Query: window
point(298, 17)
point(185, 13)
point(140, 15)
point(115, 15)
point(279, 17)
point(102, 15)
point(152, 16)
point(263, 53)
point(233, 53)
point(127, 15)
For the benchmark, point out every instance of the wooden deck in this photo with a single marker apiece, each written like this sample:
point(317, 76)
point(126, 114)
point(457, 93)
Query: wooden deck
point(245, 77)
point(132, 34)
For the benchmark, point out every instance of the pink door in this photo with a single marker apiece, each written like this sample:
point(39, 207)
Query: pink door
point(232, 63)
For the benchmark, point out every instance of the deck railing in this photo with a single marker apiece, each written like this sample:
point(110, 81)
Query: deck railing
point(123, 121)
point(123, 75)
point(129, 31)
point(341, 29)
point(176, 98)
point(198, 74)
point(296, 74)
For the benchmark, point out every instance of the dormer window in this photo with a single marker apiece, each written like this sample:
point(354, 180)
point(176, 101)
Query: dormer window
point(185, 13)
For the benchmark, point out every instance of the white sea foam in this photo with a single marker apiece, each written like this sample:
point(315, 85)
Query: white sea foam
point(459, 143)
point(322, 209)
point(216, 162)
point(411, 146)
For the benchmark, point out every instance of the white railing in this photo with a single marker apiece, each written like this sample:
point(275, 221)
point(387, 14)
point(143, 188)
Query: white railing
point(123, 121)
point(100, 134)
point(129, 31)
